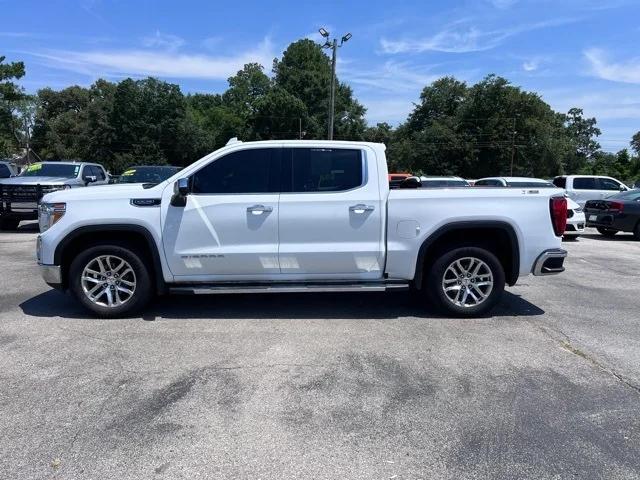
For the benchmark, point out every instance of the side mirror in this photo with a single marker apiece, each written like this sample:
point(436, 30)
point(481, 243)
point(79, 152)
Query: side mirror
point(623, 188)
point(180, 191)
point(90, 179)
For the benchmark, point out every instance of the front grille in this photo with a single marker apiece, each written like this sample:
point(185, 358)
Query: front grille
point(25, 193)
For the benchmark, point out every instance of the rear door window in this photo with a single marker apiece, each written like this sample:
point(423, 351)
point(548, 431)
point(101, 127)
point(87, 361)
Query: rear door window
point(585, 183)
point(560, 182)
point(307, 170)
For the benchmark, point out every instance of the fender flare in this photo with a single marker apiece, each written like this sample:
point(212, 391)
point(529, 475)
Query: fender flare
point(511, 278)
point(116, 227)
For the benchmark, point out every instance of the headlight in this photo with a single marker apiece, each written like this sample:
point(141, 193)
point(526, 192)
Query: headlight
point(49, 214)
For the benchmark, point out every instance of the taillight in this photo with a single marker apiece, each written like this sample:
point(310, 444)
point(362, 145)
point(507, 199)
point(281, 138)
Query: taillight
point(615, 207)
point(558, 210)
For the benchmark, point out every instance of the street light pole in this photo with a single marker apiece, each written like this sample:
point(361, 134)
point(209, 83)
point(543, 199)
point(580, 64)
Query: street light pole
point(333, 45)
point(332, 96)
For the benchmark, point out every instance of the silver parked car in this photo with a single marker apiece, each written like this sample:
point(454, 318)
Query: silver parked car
point(19, 195)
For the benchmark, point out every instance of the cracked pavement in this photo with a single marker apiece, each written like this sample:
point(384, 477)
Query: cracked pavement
point(326, 385)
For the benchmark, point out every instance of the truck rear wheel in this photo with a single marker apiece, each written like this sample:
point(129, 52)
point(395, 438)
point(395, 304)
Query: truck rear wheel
point(466, 282)
point(110, 280)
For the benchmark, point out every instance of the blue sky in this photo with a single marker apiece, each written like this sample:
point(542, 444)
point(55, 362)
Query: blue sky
point(572, 52)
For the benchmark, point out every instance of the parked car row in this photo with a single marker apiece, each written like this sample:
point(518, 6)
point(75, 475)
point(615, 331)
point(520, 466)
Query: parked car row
point(21, 193)
point(611, 206)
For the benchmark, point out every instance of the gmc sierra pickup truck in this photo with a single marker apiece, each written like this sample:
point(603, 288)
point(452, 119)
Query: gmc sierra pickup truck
point(295, 216)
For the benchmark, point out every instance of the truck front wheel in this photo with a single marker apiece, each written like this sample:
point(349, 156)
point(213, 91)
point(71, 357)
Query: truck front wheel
point(110, 280)
point(465, 281)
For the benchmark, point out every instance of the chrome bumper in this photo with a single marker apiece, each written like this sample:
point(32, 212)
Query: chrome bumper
point(550, 262)
point(52, 274)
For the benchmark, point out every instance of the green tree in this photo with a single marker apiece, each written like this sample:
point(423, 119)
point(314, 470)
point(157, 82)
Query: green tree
point(582, 134)
point(635, 143)
point(305, 72)
point(10, 94)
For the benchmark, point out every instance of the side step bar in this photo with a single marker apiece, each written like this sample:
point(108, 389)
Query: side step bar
point(285, 287)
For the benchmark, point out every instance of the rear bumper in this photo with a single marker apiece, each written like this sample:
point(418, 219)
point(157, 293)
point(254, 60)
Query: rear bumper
point(550, 262)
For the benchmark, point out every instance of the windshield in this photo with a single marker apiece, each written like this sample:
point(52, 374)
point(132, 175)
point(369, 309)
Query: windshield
point(628, 195)
point(65, 170)
point(147, 174)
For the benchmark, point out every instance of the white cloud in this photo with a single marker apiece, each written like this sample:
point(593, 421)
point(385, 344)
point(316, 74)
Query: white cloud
point(390, 77)
point(627, 71)
point(163, 41)
point(531, 65)
point(166, 64)
point(456, 38)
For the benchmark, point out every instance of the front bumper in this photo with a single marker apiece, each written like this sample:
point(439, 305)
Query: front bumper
point(550, 262)
point(52, 275)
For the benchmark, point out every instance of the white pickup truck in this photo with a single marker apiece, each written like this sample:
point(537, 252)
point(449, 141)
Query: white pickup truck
point(292, 216)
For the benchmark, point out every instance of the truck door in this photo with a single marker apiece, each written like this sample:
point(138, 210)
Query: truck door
point(228, 229)
point(331, 214)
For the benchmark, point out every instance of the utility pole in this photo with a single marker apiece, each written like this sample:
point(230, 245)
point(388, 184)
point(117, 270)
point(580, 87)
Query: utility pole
point(333, 45)
point(513, 145)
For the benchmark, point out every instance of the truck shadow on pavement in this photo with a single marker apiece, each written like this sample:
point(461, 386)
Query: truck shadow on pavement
point(275, 306)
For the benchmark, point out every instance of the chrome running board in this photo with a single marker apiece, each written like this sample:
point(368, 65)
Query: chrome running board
point(285, 287)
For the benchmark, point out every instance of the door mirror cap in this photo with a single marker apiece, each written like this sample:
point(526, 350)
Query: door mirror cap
point(180, 192)
point(90, 179)
point(623, 188)
point(182, 187)
point(410, 182)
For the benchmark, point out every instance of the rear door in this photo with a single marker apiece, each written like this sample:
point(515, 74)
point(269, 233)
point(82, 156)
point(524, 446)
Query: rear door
point(228, 229)
point(609, 186)
point(583, 189)
point(330, 214)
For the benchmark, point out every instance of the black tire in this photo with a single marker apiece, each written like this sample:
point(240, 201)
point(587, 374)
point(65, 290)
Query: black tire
point(607, 232)
point(436, 276)
point(636, 231)
point(9, 223)
point(142, 292)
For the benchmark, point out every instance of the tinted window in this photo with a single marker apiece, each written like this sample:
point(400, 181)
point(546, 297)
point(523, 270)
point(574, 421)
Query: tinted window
point(608, 184)
point(560, 182)
point(99, 173)
point(532, 184)
point(488, 183)
point(245, 171)
point(51, 170)
point(437, 183)
point(4, 171)
point(584, 183)
point(323, 169)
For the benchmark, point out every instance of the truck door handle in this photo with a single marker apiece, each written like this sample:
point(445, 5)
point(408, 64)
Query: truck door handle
point(259, 209)
point(361, 208)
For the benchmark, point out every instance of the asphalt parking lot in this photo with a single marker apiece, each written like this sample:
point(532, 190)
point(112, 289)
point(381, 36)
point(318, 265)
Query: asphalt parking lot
point(326, 385)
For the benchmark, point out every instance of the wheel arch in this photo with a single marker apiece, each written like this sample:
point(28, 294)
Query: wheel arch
point(483, 230)
point(137, 235)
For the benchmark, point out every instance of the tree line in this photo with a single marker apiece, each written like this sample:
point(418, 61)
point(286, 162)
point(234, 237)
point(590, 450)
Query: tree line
point(488, 128)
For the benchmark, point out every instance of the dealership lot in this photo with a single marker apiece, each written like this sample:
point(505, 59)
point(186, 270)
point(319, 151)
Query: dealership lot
point(326, 386)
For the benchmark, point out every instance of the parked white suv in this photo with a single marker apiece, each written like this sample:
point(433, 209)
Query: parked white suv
point(589, 187)
point(291, 216)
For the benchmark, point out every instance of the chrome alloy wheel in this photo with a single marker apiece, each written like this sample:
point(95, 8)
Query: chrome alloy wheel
point(108, 281)
point(467, 282)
